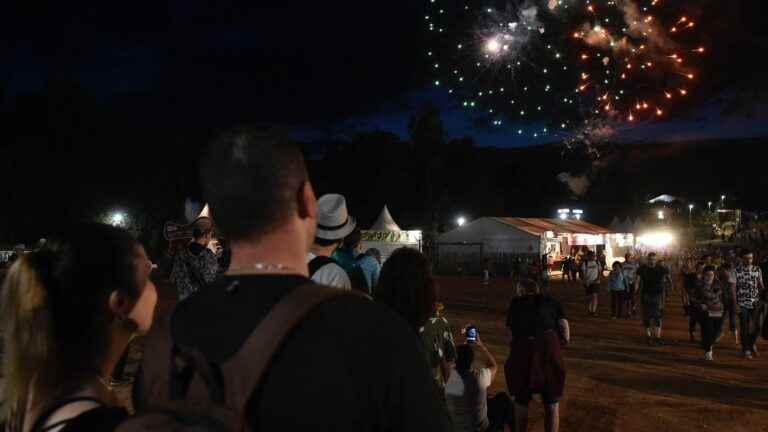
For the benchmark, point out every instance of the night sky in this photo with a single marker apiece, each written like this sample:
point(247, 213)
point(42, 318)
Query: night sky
point(319, 67)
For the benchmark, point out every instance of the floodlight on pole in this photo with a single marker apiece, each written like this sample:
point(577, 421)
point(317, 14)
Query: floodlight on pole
point(709, 205)
point(661, 215)
point(461, 221)
point(690, 214)
point(117, 219)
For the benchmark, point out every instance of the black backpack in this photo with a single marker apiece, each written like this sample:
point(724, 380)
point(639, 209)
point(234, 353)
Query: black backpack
point(180, 390)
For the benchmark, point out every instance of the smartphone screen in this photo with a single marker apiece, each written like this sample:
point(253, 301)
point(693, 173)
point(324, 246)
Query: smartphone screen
point(471, 333)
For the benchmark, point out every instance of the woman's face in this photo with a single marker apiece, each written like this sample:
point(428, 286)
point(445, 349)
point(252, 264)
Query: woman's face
point(709, 277)
point(144, 311)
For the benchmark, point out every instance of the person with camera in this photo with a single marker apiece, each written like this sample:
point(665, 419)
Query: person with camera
point(197, 266)
point(466, 390)
point(538, 330)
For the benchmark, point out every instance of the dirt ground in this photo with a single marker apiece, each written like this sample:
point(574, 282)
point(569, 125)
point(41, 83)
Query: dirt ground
point(615, 381)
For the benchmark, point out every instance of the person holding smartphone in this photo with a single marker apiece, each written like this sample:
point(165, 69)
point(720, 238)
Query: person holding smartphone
point(467, 390)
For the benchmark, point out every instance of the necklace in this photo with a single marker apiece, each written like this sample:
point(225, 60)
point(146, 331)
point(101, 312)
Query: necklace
point(104, 382)
point(259, 267)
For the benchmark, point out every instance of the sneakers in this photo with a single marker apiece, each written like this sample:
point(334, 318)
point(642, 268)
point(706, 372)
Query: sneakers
point(708, 356)
point(748, 355)
point(717, 339)
point(754, 351)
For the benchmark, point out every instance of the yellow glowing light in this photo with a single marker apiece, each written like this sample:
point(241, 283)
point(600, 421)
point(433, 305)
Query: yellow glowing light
point(699, 50)
point(690, 76)
point(683, 92)
point(645, 105)
point(584, 76)
point(631, 117)
point(673, 30)
point(623, 76)
point(658, 239)
point(584, 56)
point(659, 112)
point(669, 95)
point(591, 8)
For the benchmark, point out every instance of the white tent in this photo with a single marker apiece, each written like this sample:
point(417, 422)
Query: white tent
point(386, 236)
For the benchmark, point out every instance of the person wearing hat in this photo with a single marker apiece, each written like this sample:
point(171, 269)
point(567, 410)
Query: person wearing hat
point(333, 224)
point(197, 266)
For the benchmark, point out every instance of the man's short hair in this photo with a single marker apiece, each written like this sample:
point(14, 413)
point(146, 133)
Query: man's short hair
point(251, 179)
point(465, 356)
point(652, 255)
point(745, 252)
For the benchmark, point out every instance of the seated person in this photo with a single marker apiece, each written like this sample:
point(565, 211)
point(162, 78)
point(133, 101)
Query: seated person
point(467, 389)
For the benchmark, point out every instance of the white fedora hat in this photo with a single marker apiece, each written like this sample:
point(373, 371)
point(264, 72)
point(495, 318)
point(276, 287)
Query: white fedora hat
point(333, 220)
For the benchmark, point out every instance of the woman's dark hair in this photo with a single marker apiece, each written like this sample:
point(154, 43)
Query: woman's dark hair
point(353, 239)
point(56, 315)
point(710, 268)
point(465, 356)
point(406, 285)
point(616, 264)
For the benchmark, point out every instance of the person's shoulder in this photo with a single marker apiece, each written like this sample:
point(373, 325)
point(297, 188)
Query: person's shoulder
point(102, 418)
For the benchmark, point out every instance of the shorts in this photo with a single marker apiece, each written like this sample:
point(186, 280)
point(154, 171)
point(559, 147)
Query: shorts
point(653, 310)
point(592, 288)
point(525, 397)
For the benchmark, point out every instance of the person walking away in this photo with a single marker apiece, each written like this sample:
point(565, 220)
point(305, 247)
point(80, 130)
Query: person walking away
point(334, 223)
point(747, 290)
point(197, 266)
point(617, 286)
point(707, 305)
point(592, 275)
point(320, 378)
point(69, 311)
point(567, 269)
point(545, 274)
point(726, 277)
point(538, 330)
point(691, 276)
point(467, 393)
point(630, 267)
point(651, 284)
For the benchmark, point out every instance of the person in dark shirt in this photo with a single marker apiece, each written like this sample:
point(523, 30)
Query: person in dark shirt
point(351, 364)
point(197, 266)
point(74, 306)
point(653, 280)
point(538, 329)
point(691, 278)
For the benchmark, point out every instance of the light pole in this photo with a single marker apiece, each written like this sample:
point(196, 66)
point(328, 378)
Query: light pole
point(461, 221)
point(722, 202)
point(709, 205)
point(117, 219)
point(690, 215)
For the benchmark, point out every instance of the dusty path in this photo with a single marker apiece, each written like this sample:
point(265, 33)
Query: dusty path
point(615, 381)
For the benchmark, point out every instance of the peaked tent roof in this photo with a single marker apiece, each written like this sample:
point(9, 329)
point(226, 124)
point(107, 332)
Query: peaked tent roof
point(539, 226)
point(385, 222)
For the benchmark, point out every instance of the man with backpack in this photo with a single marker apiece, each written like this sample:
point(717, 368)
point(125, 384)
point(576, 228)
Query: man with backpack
point(268, 349)
point(333, 225)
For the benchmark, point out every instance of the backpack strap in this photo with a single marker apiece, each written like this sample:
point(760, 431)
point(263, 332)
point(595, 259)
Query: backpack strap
point(319, 262)
point(244, 372)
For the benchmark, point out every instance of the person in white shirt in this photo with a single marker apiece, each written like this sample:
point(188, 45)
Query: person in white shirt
point(333, 224)
point(592, 274)
point(466, 393)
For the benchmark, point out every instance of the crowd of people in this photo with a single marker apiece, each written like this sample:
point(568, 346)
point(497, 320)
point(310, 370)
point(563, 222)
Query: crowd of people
point(294, 326)
point(291, 326)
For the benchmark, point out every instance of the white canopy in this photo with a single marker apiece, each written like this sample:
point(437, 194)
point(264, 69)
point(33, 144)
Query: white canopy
point(385, 222)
